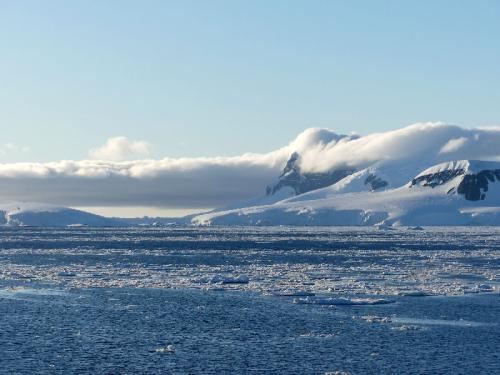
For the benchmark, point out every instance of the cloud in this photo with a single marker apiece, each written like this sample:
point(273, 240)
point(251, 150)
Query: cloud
point(453, 145)
point(215, 181)
point(421, 142)
point(173, 183)
point(10, 147)
point(120, 148)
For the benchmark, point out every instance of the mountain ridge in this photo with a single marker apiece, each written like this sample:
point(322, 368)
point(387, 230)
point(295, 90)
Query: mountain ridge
point(452, 193)
point(430, 173)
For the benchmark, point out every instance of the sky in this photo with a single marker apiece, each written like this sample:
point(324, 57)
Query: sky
point(121, 80)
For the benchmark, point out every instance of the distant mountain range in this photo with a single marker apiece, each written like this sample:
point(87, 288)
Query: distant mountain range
point(421, 176)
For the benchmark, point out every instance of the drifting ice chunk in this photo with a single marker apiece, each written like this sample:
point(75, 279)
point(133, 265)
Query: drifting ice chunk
point(31, 291)
point(220, 279)
point(484, 288)
point(416, 228)
point(341, 301)
point(414, 293)
point(376, 319)
point(166, 349)
point(294, 293)
point(406, 327)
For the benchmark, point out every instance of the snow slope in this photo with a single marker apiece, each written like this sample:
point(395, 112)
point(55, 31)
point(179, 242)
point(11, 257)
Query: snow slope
point(46, 215)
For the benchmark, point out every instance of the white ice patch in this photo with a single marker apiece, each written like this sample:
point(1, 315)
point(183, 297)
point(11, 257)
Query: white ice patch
point(439, 322)
point(20, 291)
point(169, 349)
point(342, 301)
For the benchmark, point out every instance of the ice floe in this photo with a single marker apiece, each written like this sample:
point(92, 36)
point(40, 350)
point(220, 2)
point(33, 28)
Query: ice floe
point(342, 301)
point(221, 279)
point(376, 319)
point(166, 349)
point(414, 293)
point(293, 293)
point(438, 322)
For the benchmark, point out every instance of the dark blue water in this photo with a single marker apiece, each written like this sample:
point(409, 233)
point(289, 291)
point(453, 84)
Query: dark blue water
point(118, 330)
point(53, 327)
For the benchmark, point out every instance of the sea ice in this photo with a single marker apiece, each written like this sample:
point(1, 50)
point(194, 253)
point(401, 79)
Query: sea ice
point(338, 301)
point(293, 293)
point(165, 349)
point(414, 293)
point(292, 262)
point(376, 319)
point(221, 279)
point(407, 327)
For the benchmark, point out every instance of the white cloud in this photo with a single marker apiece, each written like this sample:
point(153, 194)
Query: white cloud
point(420, 142)
point(215, 181)
point(120, 148)
point(10, 147)
point(173, 183)
point(453, 145)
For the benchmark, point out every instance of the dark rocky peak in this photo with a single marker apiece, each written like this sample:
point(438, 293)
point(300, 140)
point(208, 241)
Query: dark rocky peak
point(291, 164)
point(307, 181)
point(472, 185)
point(475, 186)
point(373, 182)
point(436, 179)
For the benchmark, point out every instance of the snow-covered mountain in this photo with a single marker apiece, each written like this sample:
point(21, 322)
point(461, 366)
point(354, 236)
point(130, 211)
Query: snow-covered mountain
point(455, 193)
point(46, 215)
point(424, 174)
point(474, 180)
point(318, 158)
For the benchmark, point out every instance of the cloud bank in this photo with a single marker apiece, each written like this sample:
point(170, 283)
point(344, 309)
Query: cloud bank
point(428, 143)
point(172, 183)
point(215, 181)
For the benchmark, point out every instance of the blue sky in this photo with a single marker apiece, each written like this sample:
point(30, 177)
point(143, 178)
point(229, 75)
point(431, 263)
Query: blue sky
point(208, 78)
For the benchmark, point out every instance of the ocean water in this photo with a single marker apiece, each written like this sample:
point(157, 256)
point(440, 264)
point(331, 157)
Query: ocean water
point(249, 301)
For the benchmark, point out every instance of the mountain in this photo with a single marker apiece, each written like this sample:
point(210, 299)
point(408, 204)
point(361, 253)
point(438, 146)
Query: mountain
point(464, 192)
point(297, 182)
point(319, 158)
point(422, 174)
point(472, 179)
point(46, 215)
